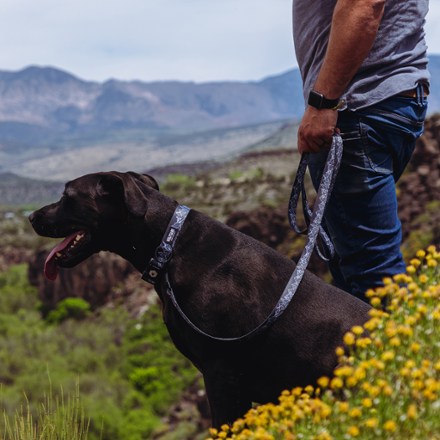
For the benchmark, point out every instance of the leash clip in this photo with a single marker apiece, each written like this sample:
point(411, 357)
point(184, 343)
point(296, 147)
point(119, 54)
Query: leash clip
point(152, 271)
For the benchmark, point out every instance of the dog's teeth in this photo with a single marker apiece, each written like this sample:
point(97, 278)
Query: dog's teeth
point(79, 237)
point(58, 254)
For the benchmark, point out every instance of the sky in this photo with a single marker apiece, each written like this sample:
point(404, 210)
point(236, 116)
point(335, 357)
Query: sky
point(188, 40)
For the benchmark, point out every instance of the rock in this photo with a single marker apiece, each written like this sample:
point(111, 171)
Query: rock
point(102, 279)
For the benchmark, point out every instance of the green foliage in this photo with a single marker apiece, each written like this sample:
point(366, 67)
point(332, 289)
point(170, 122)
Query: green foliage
point(16, 230)
point(69, 308)
point(128, 370)
point(15, 291)
point(424, 230)
point(154, 367)
point(175, 182)
point(58, 419)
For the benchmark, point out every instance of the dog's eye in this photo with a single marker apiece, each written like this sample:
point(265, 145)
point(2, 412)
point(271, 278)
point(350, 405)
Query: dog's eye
point(67, 201)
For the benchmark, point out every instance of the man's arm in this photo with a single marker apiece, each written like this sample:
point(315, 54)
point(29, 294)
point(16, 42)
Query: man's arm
point(353, 31)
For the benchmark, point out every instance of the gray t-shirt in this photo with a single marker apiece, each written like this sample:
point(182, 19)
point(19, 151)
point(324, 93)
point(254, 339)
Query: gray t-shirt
point(397, 61)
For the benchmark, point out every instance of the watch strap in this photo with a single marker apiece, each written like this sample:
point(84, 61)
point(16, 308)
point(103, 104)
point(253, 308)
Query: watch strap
point(319, 101)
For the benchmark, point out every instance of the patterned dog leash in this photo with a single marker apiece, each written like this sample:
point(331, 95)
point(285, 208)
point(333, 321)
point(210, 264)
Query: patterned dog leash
point(314, 230)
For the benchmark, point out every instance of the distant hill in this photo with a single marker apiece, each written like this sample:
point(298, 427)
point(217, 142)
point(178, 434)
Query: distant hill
point(16, 190)
point(44, 106)
point(54, 125)
point(39, 106)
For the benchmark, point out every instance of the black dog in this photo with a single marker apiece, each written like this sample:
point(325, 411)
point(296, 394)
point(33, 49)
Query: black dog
point(226, 282)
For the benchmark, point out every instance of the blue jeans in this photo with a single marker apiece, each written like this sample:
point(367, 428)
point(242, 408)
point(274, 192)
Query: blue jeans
point(361, 216)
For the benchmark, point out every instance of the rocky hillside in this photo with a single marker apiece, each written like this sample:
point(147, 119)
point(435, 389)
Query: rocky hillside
point(251, 194)
point(19, 191)
point(419, 192)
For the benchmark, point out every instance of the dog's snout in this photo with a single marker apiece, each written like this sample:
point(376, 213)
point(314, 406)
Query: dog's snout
point(35, 219)
point(32, 216)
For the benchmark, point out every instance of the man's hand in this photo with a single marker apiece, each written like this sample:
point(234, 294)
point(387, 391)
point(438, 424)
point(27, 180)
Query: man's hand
point(316, 130)
point(352, 35)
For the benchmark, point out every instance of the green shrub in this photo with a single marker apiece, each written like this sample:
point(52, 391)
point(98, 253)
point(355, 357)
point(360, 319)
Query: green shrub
point(178, 182)
point(69, 308)
point(425, 229)
point(15, 291)
point(154, 366)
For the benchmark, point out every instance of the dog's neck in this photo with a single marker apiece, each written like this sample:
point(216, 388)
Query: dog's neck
point(145, 233)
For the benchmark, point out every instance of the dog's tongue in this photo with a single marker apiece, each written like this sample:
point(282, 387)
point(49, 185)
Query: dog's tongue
point(50, 265)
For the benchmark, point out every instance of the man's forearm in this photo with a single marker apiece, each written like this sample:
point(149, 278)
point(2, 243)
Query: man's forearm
point(353, 31)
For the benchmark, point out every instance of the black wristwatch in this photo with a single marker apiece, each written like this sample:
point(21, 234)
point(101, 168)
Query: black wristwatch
point(319, 101)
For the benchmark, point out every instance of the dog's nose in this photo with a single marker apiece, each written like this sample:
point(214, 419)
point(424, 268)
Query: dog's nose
point(32, 217)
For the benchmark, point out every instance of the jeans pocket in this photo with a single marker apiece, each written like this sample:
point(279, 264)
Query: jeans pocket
point(390, 130)
point(376, 151)
point(358, 171)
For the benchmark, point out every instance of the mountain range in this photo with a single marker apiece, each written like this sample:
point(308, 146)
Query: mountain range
point(44, 101)
point(50, 118)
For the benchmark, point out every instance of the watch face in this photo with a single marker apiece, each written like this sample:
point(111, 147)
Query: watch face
point(315, 99)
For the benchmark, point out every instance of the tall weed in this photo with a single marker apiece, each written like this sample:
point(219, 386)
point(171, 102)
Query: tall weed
point(58, 418)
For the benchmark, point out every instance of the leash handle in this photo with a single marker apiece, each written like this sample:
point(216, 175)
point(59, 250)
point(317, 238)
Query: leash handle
point(314, 230)
point(324, 245)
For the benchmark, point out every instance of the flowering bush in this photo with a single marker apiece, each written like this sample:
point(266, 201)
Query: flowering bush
point(387, 383)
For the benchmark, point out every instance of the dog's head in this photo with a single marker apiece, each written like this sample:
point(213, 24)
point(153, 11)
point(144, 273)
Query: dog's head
point(88, 213)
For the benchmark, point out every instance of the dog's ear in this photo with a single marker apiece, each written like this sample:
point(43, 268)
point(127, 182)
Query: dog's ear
point(146, 179)
point(123, 186)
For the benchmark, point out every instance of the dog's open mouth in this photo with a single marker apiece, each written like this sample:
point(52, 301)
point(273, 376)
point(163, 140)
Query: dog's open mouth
point(65, 254)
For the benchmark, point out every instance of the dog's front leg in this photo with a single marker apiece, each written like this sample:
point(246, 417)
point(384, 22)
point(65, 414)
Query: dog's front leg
point(228, 399)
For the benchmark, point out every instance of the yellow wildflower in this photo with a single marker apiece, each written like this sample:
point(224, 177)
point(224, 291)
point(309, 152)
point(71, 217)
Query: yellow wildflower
point(388, 391)
point(423, 278)
point(339, 351)
point(376, 302)
point(363, 342)
point(349, 338)
point(355, 413)
point(371, 423)
point(415, 262)
point(415, 347)
point(357, 330)
point(353, 431)
point(343, 407)
point(323, 381)
point(420, 253)
point(412, 412)
point(370, 293)
point(431, 263)
point(367, 402)
point(411, 269)
point(345, 370)
point(324, 435)
point(336, 383)
point(351, 381)
point(395, 342)
point(390, 426)
point(388, 355)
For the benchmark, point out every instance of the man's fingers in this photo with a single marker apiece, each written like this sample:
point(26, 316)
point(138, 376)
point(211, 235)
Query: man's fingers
point(312, 145)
